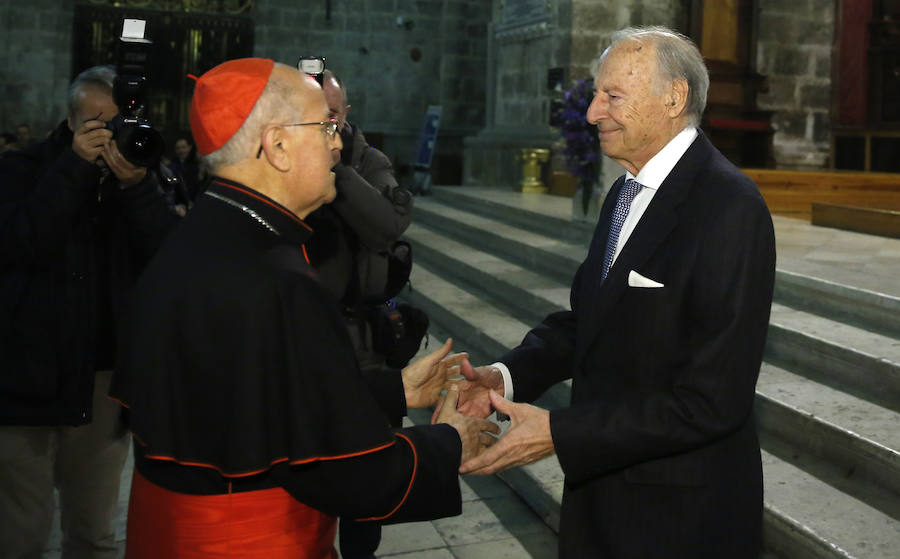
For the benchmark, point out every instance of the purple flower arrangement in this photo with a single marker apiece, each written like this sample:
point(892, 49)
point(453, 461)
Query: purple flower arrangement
point(582, 154)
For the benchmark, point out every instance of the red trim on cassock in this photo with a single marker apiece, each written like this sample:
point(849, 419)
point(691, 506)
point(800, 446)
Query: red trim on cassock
point(264, 524)
point(412, 478)
point(260, 470)
point(118, 401)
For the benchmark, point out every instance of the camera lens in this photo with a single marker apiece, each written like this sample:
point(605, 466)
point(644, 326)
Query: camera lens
point(140, 144)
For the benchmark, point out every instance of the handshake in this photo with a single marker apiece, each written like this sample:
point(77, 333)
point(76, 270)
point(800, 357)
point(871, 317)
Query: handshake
point(471, 395)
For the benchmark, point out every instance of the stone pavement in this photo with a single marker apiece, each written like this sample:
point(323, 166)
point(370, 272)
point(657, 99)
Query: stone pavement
point(495, 522)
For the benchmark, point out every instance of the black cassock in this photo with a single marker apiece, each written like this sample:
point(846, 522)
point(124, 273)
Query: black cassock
point(238, 376)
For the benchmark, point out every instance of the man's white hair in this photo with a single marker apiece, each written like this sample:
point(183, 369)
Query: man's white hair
point(278, 103)
point(677, 58)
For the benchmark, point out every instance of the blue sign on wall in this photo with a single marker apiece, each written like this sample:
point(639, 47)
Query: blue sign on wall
point(428, 137)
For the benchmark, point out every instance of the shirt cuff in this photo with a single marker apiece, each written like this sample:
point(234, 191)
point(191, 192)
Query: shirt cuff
point(507, 380)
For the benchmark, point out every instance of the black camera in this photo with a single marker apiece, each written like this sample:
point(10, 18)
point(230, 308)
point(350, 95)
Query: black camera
point(139, 143)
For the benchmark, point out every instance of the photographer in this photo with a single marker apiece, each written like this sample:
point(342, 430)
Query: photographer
point(349, 250)
point(77, 223)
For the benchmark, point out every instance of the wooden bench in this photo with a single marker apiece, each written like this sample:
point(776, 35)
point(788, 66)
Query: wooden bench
point(792, 193)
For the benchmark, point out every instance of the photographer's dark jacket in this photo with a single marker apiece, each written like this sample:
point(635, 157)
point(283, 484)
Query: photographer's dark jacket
point(353, 234)
point(71, 245)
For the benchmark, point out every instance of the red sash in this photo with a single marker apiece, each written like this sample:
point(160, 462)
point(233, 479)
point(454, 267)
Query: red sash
point(265, 524)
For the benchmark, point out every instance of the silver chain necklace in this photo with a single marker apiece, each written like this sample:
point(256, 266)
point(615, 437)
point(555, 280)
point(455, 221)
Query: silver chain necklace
point(259, 219)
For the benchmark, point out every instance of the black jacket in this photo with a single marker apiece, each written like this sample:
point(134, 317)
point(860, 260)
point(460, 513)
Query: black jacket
point(659, 444)
point(71, 245)
point(355, 231)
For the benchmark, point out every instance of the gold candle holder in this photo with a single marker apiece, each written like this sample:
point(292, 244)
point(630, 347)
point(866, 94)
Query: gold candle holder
point(531, 159)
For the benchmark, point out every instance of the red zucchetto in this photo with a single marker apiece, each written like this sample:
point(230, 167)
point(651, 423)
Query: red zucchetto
point(224, 97)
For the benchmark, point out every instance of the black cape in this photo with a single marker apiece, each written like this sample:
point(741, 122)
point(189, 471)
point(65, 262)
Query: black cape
point(234, 356)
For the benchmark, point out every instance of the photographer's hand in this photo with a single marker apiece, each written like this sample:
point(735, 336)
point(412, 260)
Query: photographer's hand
point(89, 140)
point(128, 174)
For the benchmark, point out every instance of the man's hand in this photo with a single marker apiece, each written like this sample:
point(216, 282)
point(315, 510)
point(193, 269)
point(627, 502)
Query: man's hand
point(527, 440)
point(128, 174)
point(474, 389)
point(473, 432)
point(90, 139)
point(424, 379)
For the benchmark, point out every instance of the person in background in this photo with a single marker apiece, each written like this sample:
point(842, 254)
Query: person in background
point(187, 166)
point(23, 136)
point(349, 250)
point(77, 224)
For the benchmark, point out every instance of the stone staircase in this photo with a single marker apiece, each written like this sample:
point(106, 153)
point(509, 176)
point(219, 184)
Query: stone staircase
point(828, 396)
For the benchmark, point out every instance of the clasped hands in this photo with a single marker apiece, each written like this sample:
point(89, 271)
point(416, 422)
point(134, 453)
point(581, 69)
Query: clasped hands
point(472, 394)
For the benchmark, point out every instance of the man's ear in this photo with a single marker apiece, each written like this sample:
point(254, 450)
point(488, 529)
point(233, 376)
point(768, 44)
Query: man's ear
point(70, 122)
point(677, 98)
point(346, 111)
point(274, 144)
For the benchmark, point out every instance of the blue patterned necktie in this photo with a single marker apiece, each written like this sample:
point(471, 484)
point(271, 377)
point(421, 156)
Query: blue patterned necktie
point(623, 204)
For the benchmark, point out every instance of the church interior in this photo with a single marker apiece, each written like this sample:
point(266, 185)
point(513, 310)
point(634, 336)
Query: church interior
point(804, 99)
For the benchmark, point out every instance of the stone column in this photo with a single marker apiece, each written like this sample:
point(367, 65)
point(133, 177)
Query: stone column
point(525, 39)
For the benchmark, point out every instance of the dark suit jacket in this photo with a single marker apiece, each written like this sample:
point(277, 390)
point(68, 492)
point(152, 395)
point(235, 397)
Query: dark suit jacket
point(659, 444)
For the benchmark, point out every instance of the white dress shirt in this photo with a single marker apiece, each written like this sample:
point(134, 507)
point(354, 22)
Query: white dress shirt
point(651, 176)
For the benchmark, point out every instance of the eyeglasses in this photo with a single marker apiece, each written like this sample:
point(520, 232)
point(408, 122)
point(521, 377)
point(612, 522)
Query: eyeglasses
point(329, 127)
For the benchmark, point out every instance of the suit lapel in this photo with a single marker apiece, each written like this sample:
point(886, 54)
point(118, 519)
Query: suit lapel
point(660, 218)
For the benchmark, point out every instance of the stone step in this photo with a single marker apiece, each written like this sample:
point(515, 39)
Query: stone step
point(488, 330)
point(851, 443)
point(521, 232)
point(540, 214)
point(855, 360)
point(552, 257)
point(832, 523)
point(524, 294)
point(877, 312)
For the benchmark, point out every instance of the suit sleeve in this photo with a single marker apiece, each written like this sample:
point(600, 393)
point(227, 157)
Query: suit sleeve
point(709, 395)
point(413, 479)
point(546, 354)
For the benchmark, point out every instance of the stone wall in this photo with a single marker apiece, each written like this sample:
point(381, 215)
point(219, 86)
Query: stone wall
point(794, 51)
point(526, 39)
point(485, 62)
point(396, 57)
point(35, 63)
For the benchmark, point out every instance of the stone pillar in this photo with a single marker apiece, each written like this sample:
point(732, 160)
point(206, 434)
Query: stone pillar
point(524, 41)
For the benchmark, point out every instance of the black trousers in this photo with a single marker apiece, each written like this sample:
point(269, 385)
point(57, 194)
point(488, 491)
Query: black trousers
point(359, 540)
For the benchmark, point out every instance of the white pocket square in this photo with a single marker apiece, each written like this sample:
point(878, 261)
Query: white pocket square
point(637, 280)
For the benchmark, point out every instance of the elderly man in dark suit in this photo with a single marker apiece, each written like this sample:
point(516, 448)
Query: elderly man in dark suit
point(665, 336)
